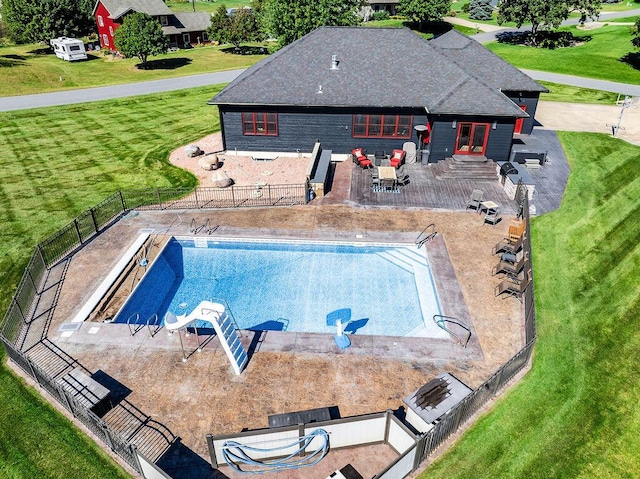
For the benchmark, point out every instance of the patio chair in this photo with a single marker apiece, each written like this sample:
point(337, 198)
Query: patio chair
point(510, 269)
point(475, 199)
point(360, 158)
point(378, 157)
point(493, 217)
point(397, 158)
point(513, 288)
point(507, 246)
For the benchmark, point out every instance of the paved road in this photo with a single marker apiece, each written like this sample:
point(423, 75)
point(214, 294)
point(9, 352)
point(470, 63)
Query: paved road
point(486, 37)
point(115, 91)
point(157, 86)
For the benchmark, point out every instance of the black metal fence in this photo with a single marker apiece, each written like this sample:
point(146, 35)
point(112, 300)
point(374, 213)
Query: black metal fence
point(478, 398)
point(19, 321)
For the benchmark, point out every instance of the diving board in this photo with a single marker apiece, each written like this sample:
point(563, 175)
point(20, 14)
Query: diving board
point(216, 314)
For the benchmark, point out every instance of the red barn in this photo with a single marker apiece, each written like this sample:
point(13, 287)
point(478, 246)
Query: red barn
point(183, 29)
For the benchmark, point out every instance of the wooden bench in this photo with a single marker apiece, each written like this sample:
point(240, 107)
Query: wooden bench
point(300, 417)
point(85, 390)
point(318, 170)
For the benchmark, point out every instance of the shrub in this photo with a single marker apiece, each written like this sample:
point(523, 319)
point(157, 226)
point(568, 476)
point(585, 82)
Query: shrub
point(381, 15)
point(465, 7)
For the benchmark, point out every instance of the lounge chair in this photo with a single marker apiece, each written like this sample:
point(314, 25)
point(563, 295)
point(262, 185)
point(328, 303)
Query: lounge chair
point(475, 199)
point(360, 158)
point(507, 246)
point(397, 158)
point(510, 269)
point(513, 288)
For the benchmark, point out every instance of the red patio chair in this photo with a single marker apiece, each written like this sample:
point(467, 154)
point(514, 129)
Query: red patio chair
point(397, 157)
point(361, 158)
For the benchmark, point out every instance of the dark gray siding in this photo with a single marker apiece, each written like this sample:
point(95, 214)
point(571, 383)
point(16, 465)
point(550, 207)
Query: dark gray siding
point(300, 128)
point(443, 137)
point(530, 99)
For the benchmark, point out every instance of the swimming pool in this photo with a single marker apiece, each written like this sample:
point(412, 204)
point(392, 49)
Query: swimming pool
point(293, 285)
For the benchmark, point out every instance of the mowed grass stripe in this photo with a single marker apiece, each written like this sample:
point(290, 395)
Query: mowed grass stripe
point(87, 152)
point(576, 413)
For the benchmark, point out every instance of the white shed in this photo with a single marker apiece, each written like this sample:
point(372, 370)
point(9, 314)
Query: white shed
point(69, 49)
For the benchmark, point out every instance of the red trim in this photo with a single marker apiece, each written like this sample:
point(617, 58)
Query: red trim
point(269, 128)
point(380, 126)
point(520, 121)
point(468, 148)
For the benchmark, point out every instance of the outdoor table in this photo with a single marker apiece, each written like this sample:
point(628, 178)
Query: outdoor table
point(387, 173)
point(488, 206)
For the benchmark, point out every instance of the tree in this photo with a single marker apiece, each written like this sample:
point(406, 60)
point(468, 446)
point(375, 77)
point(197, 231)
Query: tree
point(480, 10)
point(289, 20)
point(219, 25)
point(42, 20)
point(422, 11)
point(635, 32)
point(544, 13)
point(240, 27)
point(140, 35)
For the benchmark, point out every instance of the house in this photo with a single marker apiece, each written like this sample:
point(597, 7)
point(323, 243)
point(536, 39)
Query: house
point(377, 88)
point(183, 29)
point(372, 6)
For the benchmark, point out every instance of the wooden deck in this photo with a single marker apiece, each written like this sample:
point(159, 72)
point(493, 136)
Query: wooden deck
point(426, 191)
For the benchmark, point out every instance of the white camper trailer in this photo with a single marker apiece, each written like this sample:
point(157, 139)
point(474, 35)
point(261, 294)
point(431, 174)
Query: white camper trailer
point(69, 49)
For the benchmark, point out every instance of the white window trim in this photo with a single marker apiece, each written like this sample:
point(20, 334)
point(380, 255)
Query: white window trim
point(164, 20)
point(100, 21)
point(105, 39)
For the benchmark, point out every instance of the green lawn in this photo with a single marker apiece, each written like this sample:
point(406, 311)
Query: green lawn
point(204, 6)
point(47, 181)
point(572, 94)
point(600, 57)
point(576, 414)
point(27, 69)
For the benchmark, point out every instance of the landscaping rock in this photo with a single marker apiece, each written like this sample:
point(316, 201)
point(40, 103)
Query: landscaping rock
point(221, 180)
point(209, 162)
point(192, 150)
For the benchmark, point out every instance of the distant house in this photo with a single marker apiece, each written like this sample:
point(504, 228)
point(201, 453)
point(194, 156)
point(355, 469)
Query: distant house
point(372, 6)
point(376, 88)
point(183, 29)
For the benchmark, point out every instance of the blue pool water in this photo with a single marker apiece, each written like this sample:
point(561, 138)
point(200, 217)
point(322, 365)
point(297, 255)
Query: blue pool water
point(293, 286)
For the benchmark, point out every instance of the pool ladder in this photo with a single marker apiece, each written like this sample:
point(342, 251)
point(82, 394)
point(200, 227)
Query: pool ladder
point(206, 227)
point(152, 324)
point(442, 324)
point(426, 235)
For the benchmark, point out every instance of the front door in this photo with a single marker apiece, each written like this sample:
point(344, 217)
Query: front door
point(186, 38)
point(472, 138)
point(520, 121)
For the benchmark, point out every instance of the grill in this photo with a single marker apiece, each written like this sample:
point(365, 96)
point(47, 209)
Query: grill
point(507, 168)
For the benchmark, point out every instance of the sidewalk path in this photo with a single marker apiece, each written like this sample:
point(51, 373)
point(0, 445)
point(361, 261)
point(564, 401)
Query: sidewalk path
point(487, 37)
point(483, 27)
point(85, 95)
point(604, 85)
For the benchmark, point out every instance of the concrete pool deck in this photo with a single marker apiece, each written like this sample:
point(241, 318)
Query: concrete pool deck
point(285, 373)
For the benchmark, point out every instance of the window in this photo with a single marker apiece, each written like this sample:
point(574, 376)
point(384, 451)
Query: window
point(186, 38)
point(382, 126)
point(520, 121)
point(164, 21)
point(472, 138)
point(105, 40)
point(100, 21)
point(260, 124)
point(110, 30)
point(74, 48)
point(205, 37)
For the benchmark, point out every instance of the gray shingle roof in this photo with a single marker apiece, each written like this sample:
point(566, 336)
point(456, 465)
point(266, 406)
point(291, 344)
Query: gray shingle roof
point(117, 8)
point(189, 22)
point(483, 63)
point(378, 67)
